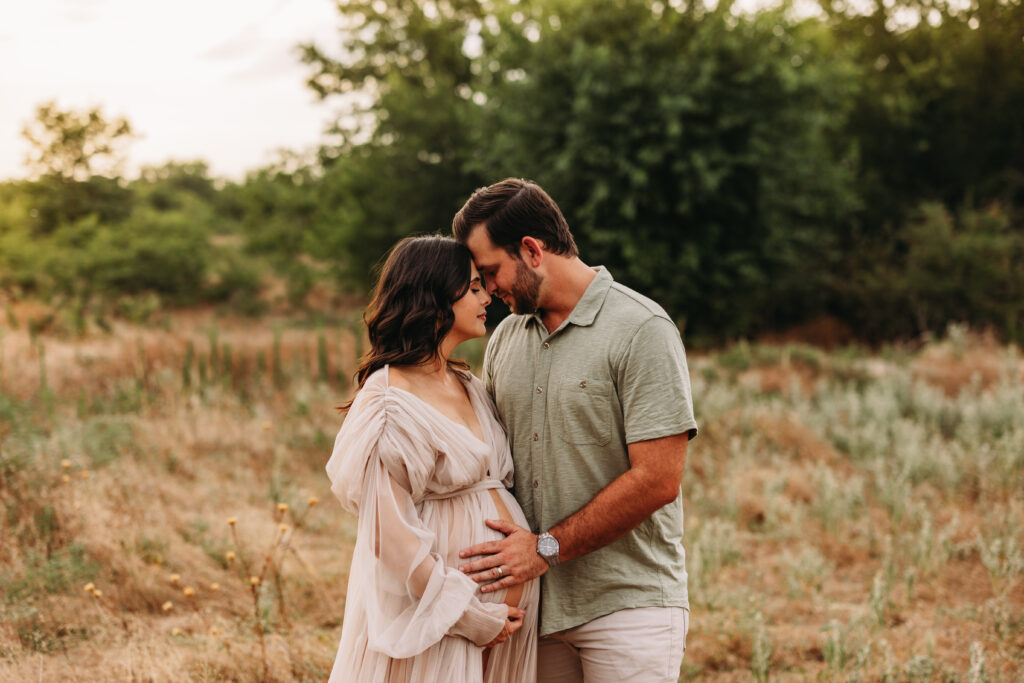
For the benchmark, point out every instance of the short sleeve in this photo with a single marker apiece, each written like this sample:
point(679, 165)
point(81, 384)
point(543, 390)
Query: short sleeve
point(654, 384)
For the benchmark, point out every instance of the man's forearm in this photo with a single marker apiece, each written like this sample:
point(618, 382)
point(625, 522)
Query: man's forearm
point(652, 481)
point(618, 508)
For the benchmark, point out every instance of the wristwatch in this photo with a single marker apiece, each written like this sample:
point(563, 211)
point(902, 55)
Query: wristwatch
point(547, 548)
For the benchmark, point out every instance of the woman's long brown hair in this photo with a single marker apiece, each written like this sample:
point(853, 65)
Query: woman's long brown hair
point(411, 309)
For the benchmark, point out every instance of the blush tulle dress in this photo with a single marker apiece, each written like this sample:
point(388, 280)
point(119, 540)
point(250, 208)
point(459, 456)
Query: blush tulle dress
point(422, 485)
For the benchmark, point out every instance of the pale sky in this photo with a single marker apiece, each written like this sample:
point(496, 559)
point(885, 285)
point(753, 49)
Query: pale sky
point(213, 79)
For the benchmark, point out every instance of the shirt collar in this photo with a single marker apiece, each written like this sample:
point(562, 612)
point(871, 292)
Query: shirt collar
point(590, 303)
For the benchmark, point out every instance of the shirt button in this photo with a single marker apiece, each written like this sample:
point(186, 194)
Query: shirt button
point(583, 384)
point(536, 483)
point(545, 345)
point(539, 390)
point(535, 437)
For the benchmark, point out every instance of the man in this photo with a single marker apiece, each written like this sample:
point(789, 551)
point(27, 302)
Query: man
point(590, 379)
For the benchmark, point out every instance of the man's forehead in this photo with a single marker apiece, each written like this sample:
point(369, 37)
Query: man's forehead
point(479, 238)
point(485, 253)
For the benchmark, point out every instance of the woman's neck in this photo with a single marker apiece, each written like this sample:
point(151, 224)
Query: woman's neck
point(435, 370)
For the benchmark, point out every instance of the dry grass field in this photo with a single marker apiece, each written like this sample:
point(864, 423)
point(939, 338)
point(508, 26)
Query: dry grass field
point(165, 515)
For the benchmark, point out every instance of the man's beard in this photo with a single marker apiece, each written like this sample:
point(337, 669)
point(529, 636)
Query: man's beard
point(525, 291)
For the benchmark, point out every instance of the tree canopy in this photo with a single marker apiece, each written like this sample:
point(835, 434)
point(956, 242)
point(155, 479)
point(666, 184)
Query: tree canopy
point(751, 171)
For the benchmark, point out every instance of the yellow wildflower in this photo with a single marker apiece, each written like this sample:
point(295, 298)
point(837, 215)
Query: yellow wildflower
point(189, 591)
point(254, 580)
point(66, 464)
point(230, 557)
point(282, 507)
point(174, 579)
point(167, 606)
point(313, 500)
point(214, 631)
point(176, 632)
point(85, 474)
point(284, 528)
point(65, 478)
point(90, 587)
point(215, 587)
point(232, 521)
point(97, 593)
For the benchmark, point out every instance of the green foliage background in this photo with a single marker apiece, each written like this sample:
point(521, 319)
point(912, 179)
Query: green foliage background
point(749, 171)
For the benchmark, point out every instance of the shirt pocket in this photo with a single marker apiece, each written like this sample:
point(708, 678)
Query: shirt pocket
point(585, 407)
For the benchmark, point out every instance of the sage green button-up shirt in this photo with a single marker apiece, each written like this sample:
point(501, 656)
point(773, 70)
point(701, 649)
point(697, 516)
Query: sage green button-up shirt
point(612, 374)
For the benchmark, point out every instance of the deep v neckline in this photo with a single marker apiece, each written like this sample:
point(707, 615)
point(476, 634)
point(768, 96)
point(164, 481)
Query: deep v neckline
point(472, 405)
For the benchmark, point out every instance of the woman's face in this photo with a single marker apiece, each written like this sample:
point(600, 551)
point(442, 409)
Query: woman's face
point(471, 310)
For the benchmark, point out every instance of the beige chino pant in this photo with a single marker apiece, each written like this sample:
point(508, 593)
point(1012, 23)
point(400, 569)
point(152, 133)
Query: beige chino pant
point(642, 645)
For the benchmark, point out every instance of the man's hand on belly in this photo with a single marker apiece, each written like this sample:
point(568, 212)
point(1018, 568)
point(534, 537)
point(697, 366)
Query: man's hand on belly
point(516, 555)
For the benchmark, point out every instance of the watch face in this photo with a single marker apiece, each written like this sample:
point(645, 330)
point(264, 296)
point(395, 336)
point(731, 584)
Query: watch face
point(547, 546)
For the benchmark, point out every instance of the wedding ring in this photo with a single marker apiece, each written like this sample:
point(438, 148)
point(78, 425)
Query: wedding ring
point(500, 572)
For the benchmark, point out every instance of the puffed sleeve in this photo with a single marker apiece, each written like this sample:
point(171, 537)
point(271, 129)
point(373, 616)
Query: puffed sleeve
point(412, 599)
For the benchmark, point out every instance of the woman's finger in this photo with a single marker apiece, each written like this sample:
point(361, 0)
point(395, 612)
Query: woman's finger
point(506, 582)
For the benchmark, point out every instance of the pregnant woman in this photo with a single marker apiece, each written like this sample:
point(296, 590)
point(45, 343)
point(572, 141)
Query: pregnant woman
point(423, 460)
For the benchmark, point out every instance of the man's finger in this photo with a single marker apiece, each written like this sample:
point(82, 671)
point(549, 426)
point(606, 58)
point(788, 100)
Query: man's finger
point(483, 564)
point(501, 525)
point(491, 574)
point(488, 548)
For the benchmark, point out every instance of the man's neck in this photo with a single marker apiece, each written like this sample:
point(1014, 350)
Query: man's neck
point(564, 285)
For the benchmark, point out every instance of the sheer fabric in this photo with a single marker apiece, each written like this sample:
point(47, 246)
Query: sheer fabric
point(422, 485)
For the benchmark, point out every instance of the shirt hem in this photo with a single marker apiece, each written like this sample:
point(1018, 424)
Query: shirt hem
point(574, 621)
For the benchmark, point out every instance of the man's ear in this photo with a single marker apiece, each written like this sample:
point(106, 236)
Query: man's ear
point(532, 250)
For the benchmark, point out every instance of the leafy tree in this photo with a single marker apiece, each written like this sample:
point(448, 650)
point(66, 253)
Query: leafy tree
point(694, 152)
point(75, 145)
point(58, 201)
point(76, 156)
point(167, 186)
point(403, 151)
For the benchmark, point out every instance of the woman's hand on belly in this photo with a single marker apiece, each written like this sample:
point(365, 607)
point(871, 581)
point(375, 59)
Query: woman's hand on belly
point(513, 622)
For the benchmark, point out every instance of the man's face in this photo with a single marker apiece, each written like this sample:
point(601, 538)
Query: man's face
point(506, 277)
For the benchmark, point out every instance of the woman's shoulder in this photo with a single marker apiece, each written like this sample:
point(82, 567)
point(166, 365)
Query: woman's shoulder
point(400, 409)
point(398, 377)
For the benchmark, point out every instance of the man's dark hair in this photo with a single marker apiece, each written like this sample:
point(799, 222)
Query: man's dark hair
point(513, 209)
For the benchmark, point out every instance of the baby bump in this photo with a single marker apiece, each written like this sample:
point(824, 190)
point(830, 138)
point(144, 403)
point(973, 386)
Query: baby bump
point(460, 523)
point(507, 509)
